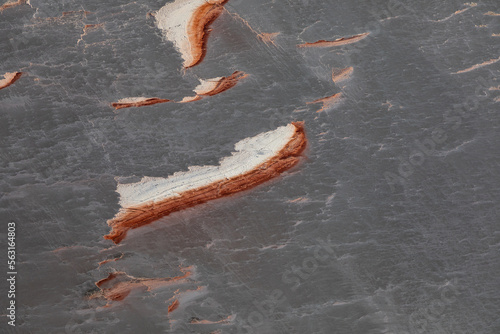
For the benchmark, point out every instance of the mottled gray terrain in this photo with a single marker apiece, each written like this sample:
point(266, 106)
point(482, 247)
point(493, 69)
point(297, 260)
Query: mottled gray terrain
point(389, 225)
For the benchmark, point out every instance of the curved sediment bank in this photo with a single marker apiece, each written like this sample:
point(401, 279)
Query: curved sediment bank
point(256, 160)
point(214, 86)
point(10, 78)
point(186, 23)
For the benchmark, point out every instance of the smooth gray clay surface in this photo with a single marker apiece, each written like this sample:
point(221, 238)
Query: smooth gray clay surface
point(390, 224)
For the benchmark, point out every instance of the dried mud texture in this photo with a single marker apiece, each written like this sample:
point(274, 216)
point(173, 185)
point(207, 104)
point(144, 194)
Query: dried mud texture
point(118, 285)
point(10, 78)
point(215, 86)
point(341, 74)
point(340, 41)
point(137, 102)
point(187, 24)
point(257, 160)
point(328, 101)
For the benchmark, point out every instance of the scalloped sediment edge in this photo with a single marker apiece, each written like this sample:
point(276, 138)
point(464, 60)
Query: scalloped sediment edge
point(256, 160)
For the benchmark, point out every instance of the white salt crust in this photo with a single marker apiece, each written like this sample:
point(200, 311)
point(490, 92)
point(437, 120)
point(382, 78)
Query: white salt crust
point(172, 19)
point(250, 153)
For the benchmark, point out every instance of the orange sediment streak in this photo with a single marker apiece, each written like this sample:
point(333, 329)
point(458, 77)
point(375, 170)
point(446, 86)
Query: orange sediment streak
point(225, 321)
point(12, 4)
point(198, 29)
point(184, 297)
point(172, 307)
point(226, 83)
point(340, 41)
point(84, 12)
point(140, 103)
point(268, 38)
point(117, 286)
point(10, 78)
point(327, 101)
point(339, 75)
point(216, 87)
point(110, 260)
point(286, 158)
point(299, 200)
point(211, 89)
point(472, 68)
point(186, 23)
point(91, 26)
point(469, 6)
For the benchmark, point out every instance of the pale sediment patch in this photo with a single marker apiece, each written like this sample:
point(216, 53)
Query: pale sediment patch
point(10, 78)
point(328, 101)
point(339, 41)
point(255, 161)
point(341, 74)
point(186, 24)
point(490, 13)
point(483, 64)
point(137, 102)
